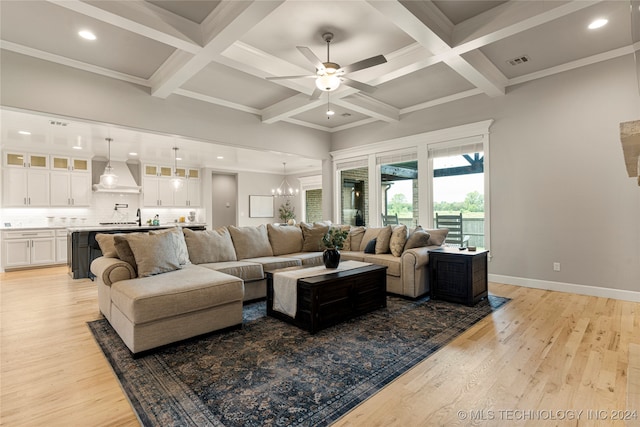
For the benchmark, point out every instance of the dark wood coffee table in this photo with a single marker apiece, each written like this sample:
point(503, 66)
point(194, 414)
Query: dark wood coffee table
point(327, 299)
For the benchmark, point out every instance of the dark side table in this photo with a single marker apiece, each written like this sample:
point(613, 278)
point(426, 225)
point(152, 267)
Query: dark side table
point(458, 276)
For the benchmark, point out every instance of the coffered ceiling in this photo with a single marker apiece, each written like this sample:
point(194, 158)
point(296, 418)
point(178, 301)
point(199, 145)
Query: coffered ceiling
point(222, 51)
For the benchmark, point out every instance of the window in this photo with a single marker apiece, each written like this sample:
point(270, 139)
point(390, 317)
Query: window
point(458, 190)
point(399, 193)
point(354, 189)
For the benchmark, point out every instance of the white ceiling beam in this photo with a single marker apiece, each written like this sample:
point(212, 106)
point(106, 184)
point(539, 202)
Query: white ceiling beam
point(227, 23)
point(289, 107)
point(217, 101)
point(509, 19)
point(141, 18)
point(415, 22)
point(369, 106)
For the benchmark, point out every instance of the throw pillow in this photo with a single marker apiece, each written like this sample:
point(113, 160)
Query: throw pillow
point(438, 236)
point(369, 234)
point(154, 253)
point(124, 250)
point(285, 239)
point(178, 241)
point(370, 248)
point(209, 245)
point(354, 239)
point(417, 239)
point(383, 240)
point(398, 240)
point(312, 236)
point(107, 245)
point(251, 242)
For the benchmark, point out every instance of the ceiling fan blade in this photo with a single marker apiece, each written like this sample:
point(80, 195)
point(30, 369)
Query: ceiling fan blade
point(316, 94)
point(365, 63)
point(358, 85)
point(311, 57)
point(290, 77)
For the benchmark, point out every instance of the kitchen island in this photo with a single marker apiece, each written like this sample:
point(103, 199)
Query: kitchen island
point(83, 248)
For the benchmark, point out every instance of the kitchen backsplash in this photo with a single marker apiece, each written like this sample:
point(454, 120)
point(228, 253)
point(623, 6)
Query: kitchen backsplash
point(101, 210)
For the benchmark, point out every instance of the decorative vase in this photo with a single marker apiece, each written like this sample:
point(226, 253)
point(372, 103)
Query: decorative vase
point(331, 258)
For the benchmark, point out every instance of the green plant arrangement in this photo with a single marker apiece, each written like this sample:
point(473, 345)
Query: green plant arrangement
point(334, 239)
point(287, 212)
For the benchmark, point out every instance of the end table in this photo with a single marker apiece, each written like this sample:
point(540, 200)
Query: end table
point(458, 275)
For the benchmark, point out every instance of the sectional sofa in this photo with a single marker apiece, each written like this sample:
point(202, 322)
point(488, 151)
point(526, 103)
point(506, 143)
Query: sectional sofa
point(164, 286)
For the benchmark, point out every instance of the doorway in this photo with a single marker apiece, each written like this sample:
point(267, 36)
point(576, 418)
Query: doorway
point(224, 196)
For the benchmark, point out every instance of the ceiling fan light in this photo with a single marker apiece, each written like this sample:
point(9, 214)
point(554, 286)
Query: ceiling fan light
point(328, 82)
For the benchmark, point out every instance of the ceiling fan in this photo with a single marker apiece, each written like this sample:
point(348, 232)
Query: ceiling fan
point(330, 75)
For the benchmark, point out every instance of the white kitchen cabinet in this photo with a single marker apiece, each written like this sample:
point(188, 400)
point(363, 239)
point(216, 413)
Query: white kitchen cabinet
point(70, 189)
point(189, 194)
point(61, 246)
point(76, 164)
point(25, 187)
point(16, 159)
point(28, 247)
point(157, 192)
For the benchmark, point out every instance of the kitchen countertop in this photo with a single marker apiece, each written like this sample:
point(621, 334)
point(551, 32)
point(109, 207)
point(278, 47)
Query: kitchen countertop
point(103, 227)
point(133, 226)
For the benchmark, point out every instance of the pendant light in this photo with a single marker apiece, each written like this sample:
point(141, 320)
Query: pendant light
point(177, 182)
point(109, 179)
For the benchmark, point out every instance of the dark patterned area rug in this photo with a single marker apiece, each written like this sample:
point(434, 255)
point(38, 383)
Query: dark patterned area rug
point(270, 373)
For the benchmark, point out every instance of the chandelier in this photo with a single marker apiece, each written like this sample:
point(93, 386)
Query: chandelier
point(285, 189)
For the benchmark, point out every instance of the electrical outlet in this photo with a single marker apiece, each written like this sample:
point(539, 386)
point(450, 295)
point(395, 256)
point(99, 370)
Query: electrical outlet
point(556, 266)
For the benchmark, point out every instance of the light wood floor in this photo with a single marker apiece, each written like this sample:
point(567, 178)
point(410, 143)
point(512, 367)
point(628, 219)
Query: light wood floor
point(544, 351)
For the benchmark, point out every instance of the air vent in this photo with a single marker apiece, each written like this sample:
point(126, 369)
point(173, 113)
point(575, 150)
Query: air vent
point(346, 114)
point(519, 60)
point(57, 123)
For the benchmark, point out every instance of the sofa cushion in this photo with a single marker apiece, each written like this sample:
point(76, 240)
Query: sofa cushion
point(107, 245)
point(247, 271)
point(398, 240)
point(250, 242)
point(285, 239)
point(351, 256)
point(274, 263)
point(438, 236)
point(393, 263)
point(369, 234)
point(209, 245)
point(178, 241)
point(124, 250)
point(417, 239)
point(175, 293)
point(308, 258)
point(354, 239)
point(383, 239)
point(154, 253)
point(312, 235)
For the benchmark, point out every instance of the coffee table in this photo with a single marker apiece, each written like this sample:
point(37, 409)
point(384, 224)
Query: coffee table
point(327, 299)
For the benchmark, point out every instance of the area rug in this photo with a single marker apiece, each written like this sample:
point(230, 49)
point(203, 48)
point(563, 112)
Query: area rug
point(270, 373)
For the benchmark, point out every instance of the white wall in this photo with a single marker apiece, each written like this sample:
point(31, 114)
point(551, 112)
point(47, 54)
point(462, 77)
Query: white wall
point(559, 190)
point(37, 85)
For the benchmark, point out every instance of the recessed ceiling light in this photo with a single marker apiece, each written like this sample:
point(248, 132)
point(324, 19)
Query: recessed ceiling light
point(77, 147)
point(600, 22)
point(133, 154)
point(24, 132)
point(86, 34)
point(330, 112)
point(178, 158)
point(220, 157)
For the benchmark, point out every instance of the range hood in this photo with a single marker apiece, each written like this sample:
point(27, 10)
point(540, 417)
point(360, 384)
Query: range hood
point(126, 181)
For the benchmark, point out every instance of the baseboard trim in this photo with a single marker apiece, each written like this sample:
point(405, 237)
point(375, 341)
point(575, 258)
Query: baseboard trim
point(594, 291)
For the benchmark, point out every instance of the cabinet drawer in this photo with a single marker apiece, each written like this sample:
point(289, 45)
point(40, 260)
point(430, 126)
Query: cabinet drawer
point(28, 234)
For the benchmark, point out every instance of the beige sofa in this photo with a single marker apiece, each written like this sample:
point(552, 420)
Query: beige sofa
point(167, 286)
